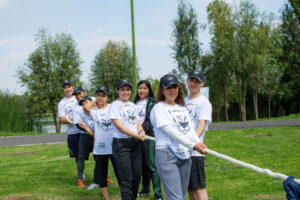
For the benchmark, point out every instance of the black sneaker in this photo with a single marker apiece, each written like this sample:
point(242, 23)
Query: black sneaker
point(143, 194)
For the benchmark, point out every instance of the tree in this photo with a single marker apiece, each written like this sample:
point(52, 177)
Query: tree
point(290, 82)
point(155, 85)
point(112, 63)
point(185, 37)
point(53, 61)
point(246, 21)
point(222, 45)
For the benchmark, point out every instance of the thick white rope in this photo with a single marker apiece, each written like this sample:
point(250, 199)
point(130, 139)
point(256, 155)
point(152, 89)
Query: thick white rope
point(243, 164)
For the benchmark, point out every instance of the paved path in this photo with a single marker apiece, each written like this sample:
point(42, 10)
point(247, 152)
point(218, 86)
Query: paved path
point(60, 138)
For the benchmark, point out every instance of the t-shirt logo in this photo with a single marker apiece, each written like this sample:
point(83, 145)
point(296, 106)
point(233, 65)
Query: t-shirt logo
point(192, 110)
point(128, 113)
point(181, 121)
point(106, 124)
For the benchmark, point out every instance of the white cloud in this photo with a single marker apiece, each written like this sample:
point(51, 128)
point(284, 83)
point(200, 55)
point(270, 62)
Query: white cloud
point(5, 3)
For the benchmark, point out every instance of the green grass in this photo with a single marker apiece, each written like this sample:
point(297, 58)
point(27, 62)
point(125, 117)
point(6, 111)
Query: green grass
point(46, 172)
point(291, 116)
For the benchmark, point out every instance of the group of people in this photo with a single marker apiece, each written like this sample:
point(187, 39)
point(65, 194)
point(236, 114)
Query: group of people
point(120, 132)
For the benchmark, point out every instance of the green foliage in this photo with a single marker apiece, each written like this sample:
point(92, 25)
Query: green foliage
point(290, 82)
point(185, 38)
point(15, 115)
point(112, 63)
point(53, 61)
point(155, 85)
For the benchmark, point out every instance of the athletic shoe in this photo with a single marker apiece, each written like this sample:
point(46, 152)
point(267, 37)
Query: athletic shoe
point(83, 177)
point(80, 183)
point(92, 186)
point(143, 194)
point(109, 180)
point(158, 198)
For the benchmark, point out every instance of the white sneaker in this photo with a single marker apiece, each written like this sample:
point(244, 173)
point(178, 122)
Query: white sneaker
point(92, 186)
point(83, 177)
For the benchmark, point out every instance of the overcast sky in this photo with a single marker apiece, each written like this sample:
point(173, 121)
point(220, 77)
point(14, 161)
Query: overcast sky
point(92, 23)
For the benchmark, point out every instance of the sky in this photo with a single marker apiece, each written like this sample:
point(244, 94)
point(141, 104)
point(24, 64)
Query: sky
point(92, 23)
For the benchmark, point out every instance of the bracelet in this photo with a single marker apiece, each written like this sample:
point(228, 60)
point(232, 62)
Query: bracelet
point(140, 131)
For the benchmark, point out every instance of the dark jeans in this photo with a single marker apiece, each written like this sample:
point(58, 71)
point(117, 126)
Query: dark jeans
point(149, 171)
point(127, 154)
point(101, 169)
point(86, 143)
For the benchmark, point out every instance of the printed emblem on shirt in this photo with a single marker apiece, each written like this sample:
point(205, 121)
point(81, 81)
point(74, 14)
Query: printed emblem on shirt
point(104, 122)
point(69, 107)
point(181, 120)
point(128, 113)
point(192, 110)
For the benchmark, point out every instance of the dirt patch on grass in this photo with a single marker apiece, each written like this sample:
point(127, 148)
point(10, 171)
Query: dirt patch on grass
point(259, 135)
point(269, 196)
point(23, 154)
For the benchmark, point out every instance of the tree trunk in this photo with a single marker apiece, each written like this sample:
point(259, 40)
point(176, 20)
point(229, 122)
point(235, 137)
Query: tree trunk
point(225, 104)
point(269, 106)
point(243, 105)
point(57, 125)
point(255, 103)
point(218, 113)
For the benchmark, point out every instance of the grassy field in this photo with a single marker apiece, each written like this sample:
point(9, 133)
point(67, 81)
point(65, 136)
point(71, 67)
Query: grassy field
point(46, 172)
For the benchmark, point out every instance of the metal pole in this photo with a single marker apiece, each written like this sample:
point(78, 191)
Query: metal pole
point(133, 48)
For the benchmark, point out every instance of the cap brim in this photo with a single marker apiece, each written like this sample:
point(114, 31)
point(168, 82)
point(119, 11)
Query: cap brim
point(169, 84)
point(101, 91)
point(199, 79)
point(124, 84)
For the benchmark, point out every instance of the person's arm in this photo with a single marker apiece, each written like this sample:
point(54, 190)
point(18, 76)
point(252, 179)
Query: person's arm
point(118, 123)
point(173, 133)
point(86, 128)
point(200, 127)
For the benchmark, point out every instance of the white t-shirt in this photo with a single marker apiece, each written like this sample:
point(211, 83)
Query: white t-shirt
point(80, 114)
point(141, 108)
point(103, 132)
point(178, 118)
point(65, 108)
point(199, 109)
point(127, 112)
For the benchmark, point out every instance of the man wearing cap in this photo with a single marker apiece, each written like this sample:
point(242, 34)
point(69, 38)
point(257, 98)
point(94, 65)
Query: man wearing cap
point(200, 111)
point(65, 112)
point(86, 142)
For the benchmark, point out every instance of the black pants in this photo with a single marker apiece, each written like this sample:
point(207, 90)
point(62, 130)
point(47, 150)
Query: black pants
point(101, 169)
point(86, 144)
point(149, 170)
point(127, 154)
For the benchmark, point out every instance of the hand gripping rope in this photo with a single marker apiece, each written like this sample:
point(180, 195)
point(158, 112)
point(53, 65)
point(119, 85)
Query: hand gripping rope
point(243, 164)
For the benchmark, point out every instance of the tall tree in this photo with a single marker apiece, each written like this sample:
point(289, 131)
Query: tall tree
point(221, 24)
point(290, 82)
point(185, 38)
point(53, 61)
point(246, 21)
point(112, 63)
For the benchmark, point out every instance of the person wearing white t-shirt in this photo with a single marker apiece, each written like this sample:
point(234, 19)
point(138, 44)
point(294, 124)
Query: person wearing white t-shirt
point(175, 138)
point(145, 100)
point(200, 111)
point(103, 136)
point(86, 142)
point(65, 112)
point(128, 135)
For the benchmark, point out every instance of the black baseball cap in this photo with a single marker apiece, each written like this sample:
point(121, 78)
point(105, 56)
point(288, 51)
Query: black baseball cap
point(123, 82)
point(197, 74)
point(168, 80)
point(66, 82)
point(103, 89)
point(78, 90)
point(84, 99)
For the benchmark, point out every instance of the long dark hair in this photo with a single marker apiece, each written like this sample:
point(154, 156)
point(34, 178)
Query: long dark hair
point(179, 99)
point(150, 95)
